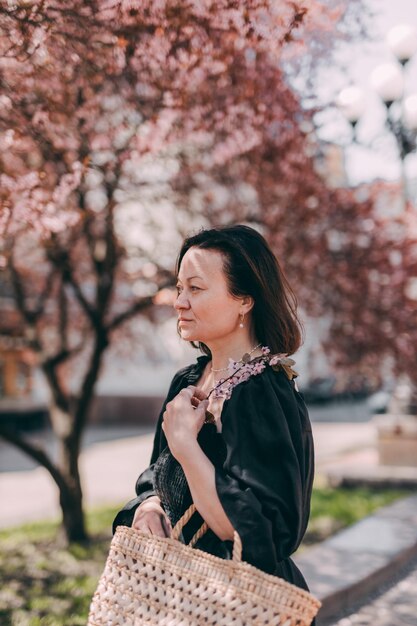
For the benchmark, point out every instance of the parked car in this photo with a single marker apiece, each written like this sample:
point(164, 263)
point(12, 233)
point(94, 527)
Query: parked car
point(401, 393)
point(378, 402)
point(322, 390)
point(319, 390)
point(23, 414)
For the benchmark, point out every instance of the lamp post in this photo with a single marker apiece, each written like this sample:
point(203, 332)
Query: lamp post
point(396, 446)
point(388, 80)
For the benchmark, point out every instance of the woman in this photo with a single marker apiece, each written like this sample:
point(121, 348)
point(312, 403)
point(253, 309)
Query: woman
point(234, 435)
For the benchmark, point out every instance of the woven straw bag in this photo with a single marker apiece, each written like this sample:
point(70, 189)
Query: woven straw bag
point(150, 580)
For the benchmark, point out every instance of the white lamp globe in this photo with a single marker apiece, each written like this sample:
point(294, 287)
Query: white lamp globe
point(351, 103)
point(402, 41)
point(410, 112)
point(388, 81)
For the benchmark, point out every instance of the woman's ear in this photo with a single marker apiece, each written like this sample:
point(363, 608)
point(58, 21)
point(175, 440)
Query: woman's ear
point(247, 304)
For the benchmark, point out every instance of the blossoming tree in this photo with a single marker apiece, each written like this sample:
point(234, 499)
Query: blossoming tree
point(90, 91)
point(97, 95)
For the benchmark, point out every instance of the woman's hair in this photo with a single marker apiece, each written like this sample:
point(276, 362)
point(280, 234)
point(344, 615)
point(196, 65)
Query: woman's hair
point(252, 269)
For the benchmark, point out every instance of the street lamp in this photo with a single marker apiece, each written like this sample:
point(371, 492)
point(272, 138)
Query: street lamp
point(402, 42)
point(410, 112)
point(388, 80)
point(351, 102)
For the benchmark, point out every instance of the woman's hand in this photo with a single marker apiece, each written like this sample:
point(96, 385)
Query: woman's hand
point(183, 418)
point(151, 518)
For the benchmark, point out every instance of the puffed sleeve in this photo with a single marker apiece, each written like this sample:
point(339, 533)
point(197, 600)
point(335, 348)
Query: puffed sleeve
point(266, 479)
point(144, 484)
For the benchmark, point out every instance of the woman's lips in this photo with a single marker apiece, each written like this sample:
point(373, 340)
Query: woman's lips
point(182, 321)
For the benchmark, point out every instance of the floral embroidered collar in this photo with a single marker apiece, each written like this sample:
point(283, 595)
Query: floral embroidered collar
point(240, 372)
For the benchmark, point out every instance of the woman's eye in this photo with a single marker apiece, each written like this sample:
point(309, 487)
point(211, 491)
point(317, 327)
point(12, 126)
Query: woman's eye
point(192, 288)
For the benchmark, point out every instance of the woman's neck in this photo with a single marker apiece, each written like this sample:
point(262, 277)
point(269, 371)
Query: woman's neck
point(234, 349)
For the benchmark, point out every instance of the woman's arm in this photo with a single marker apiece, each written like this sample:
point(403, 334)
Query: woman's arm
point(182, 420)
point(144, 485)
point(200, 474)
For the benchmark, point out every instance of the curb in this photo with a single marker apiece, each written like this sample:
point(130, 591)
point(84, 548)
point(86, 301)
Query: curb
point(350, 565)
point(376, 477)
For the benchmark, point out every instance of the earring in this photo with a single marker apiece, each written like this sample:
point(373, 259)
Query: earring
point(242, 317)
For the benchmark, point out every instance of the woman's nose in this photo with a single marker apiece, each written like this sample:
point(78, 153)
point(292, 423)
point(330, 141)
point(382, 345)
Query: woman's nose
point(181, 302)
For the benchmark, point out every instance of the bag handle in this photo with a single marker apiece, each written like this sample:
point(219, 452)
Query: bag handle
point(176, 531)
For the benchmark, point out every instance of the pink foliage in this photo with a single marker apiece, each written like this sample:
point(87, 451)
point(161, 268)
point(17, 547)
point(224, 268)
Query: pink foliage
point(100, 87)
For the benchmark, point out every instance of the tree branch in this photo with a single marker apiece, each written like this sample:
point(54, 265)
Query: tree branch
point(34, 452)
point(63, 355)
point(30, 317)
point(107, 267)
point(137, 307)
point(63, 317)
point(87, 389)
point(61, 261)
point(40, 306)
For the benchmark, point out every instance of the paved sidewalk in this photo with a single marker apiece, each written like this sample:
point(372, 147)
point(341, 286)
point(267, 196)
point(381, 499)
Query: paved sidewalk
point(109, 471)
point(354, 562)
point(396, 606)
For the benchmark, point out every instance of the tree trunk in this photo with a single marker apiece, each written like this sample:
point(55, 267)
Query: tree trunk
point(66, 476)
point(70, 492)
point(70, 499)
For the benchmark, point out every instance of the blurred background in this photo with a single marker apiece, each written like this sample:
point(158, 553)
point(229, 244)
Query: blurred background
point(127, 128)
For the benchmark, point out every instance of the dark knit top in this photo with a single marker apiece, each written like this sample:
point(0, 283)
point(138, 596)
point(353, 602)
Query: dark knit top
point(264, 466)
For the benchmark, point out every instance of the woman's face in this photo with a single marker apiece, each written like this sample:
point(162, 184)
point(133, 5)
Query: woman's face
point(206, 310)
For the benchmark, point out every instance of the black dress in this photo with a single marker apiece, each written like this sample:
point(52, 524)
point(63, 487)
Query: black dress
point(264, 467)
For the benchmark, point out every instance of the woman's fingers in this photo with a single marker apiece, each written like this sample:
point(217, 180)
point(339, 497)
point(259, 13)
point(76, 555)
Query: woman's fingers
point(166, 524)
point(194, 394)
point(199, 393)
point(154, 524)
point(152, 528)
point(156, 527)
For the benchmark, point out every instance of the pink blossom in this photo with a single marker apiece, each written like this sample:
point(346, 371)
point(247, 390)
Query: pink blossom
point(224, 387)
point(274, 360)
point(258, 368)
point(233, 365)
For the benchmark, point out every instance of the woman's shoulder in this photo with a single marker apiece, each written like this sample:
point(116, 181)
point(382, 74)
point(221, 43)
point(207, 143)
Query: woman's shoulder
point(271, 384)
point(280, 377)
point(270, 391)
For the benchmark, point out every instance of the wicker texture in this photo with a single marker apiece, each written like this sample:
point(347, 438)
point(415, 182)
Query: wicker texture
point(150, 580)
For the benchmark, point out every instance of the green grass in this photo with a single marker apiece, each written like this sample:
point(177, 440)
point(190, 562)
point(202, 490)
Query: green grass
point(43, 583)
point(334, 509)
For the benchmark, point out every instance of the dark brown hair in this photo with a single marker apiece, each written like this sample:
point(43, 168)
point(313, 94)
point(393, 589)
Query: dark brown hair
point(252, 269)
